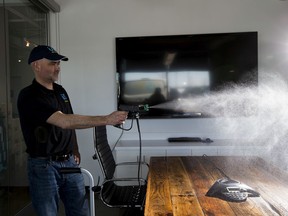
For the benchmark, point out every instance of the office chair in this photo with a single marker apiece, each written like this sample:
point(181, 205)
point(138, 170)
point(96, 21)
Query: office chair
point(128, 192)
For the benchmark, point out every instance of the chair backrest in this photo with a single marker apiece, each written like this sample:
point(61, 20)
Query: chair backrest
point(103, 152)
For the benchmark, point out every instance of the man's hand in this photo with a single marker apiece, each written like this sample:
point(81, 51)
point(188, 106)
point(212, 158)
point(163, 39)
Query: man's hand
point(117, 117)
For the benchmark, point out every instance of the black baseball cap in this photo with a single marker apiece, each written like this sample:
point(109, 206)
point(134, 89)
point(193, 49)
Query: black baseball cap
point(43, 51)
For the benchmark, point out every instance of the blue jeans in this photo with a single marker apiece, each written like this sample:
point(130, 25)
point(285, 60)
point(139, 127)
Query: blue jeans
point(48, 186)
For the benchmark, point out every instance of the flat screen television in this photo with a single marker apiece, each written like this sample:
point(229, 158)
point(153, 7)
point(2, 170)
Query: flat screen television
point(155, 70)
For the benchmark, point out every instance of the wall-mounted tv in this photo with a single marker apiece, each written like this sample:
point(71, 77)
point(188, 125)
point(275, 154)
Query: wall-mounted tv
point(155, 70)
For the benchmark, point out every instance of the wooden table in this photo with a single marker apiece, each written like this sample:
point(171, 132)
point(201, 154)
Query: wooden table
point(177, 187)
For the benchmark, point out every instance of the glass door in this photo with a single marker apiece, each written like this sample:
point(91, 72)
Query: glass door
point(22, 27)
point(3, 118)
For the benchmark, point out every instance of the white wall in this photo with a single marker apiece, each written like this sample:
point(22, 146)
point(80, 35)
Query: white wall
point(88, 28)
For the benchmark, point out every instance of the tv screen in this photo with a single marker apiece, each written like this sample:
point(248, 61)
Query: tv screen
point(155, 70)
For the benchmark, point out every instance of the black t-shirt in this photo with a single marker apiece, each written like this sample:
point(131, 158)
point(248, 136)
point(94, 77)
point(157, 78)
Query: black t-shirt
point(35, 105)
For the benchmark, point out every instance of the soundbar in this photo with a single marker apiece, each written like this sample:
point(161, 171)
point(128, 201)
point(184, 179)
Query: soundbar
point(189, 139)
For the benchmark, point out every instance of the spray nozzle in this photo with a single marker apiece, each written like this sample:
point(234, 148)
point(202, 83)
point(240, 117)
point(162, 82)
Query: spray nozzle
point(134, 108)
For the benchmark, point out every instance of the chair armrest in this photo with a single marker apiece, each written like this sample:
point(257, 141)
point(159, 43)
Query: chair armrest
point(125, 180)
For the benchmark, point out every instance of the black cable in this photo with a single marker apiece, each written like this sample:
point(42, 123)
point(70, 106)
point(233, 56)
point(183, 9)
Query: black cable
point(135, 115)
point(125, 129)
point(140, 147)
point(122, 131)
point(211, 162)
point(117, 141)
point(273, 207)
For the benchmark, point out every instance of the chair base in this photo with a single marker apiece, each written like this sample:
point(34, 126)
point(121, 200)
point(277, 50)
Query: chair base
point(133, 212)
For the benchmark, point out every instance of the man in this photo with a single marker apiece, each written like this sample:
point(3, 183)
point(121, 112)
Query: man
point(48, 125)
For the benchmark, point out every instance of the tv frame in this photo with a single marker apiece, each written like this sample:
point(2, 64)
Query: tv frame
point(201, 46)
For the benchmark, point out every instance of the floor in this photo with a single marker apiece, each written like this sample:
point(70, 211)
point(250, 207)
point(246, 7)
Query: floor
point(19, 205)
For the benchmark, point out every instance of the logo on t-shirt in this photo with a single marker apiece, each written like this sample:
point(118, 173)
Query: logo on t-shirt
point(64, 97)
